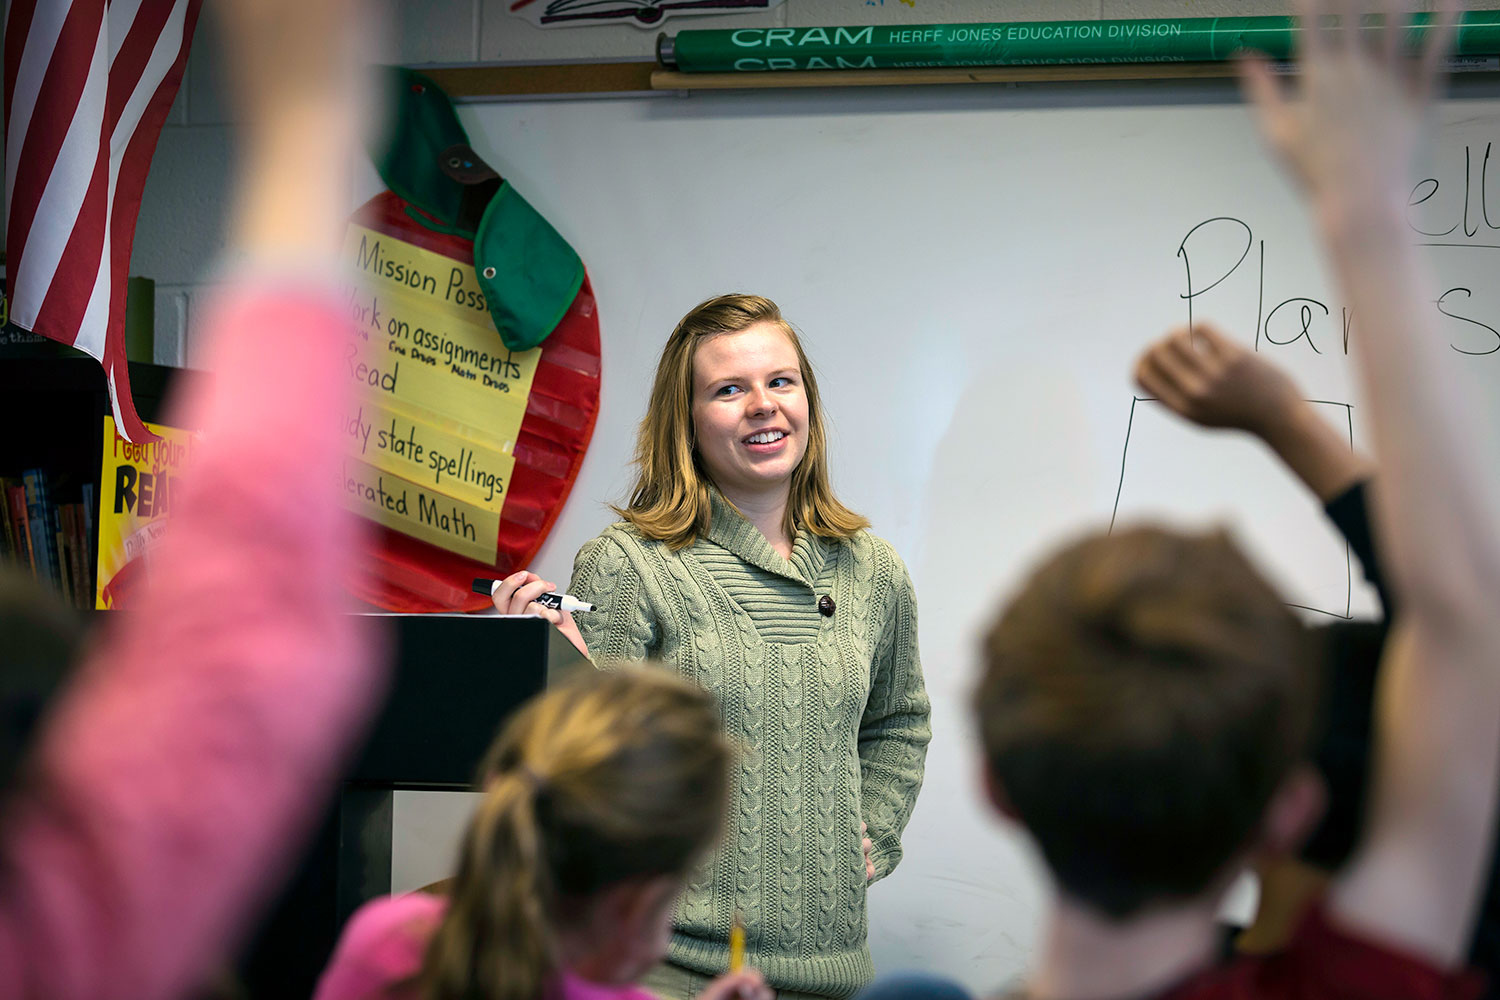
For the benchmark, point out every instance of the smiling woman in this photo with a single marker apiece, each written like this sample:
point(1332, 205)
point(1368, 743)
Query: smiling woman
point(736, 565)
point(713, 387)
point(750, 419)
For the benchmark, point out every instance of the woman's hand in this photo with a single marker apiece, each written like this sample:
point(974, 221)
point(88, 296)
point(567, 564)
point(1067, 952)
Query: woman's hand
point(517, 594)
point(746, 984)
point(867, 846)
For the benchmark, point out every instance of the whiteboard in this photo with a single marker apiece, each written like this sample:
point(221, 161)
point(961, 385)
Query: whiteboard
point(974, 271)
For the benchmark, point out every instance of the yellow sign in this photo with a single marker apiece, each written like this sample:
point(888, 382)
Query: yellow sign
point(137, 489)
point(416, 511)
point(445, 461)
point(441, 397)
point(419, 342)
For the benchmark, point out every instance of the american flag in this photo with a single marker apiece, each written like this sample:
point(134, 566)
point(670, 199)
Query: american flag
point(87, 86)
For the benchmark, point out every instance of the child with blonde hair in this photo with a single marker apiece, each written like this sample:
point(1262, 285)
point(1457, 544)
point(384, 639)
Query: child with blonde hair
point(601, 795)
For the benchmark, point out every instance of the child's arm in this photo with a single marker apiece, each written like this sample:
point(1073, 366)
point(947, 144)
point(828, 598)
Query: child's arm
point(1349, 139)
point(172, 783)
point(1203, 376)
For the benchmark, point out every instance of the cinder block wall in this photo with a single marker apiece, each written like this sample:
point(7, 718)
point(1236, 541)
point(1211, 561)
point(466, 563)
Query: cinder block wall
point(181, 228)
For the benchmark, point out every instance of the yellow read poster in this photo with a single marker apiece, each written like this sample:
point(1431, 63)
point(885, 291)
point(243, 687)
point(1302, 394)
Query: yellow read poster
point(137, 487)
point(441, 398)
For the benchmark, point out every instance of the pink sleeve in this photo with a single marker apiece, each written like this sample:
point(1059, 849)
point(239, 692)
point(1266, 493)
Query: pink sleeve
point(380, 952)
point(208, 724)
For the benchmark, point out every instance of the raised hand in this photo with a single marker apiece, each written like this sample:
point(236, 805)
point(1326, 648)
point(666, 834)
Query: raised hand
point(1348, 127)
point(1203, 376)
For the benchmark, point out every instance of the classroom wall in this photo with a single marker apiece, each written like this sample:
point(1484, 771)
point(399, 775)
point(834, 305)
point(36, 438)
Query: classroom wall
point(181, 228)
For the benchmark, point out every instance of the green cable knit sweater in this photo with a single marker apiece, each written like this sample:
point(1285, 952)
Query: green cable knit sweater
point(830, 713)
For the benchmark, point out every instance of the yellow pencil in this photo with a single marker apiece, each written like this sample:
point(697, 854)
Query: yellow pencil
point(736, 945)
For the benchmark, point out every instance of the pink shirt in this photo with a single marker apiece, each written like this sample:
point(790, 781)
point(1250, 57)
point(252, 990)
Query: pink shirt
point(187, 758)
point(381, 952)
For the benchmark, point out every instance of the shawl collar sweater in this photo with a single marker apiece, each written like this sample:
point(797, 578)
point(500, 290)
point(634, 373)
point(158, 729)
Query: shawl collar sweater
point(829, 712)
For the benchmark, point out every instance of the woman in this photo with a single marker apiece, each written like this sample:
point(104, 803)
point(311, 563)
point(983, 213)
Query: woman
point(736, 564)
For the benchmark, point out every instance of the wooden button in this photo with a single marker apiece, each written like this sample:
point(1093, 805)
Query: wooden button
point(826, 606)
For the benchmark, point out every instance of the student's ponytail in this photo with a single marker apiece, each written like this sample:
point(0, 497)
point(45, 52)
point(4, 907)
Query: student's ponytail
point(496, 942)
point(613, 776)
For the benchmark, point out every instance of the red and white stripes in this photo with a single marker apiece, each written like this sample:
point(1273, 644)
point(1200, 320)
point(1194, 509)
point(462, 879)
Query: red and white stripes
point(87, 86)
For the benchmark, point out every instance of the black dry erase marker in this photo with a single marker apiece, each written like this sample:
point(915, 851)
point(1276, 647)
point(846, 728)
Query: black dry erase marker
point(557, 602)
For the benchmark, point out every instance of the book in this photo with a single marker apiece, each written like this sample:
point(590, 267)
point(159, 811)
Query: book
point(90, 548)
point(43, 535)
point(64, 559)
point(67, 545)
point(78, 552)
point(20, 524)
point(7, 534)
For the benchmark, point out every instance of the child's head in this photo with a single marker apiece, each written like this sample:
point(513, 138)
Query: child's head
point(1145, 704)
point(600, 796)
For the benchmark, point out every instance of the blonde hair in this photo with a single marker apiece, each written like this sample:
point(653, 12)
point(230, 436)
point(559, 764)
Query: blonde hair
point(607, 777)
point(670, 501)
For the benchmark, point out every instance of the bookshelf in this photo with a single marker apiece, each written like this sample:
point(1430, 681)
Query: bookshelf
point(53, 400)
point(455, 678)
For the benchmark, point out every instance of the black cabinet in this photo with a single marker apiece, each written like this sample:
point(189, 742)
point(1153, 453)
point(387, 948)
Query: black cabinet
point(456, 679)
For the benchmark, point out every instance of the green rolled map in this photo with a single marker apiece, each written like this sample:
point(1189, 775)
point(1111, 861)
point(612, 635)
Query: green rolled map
point(1017, 43)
